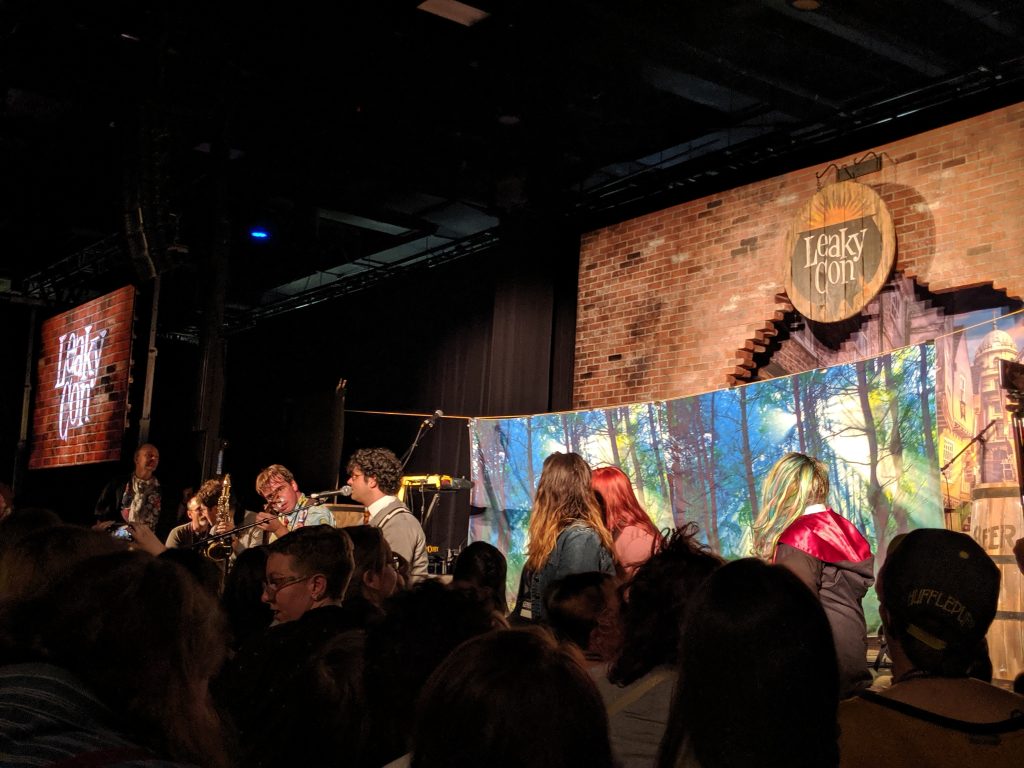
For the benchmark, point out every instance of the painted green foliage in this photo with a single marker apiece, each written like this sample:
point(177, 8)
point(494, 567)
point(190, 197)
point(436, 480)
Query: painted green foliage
point(702, 458)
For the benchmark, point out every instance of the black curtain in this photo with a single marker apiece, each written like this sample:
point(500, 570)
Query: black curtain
point(486, 336)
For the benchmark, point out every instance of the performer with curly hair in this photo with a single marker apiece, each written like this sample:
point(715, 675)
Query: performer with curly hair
point(375, 475)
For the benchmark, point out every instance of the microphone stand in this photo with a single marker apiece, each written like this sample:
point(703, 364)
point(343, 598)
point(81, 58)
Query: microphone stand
point(978, 438)
point(427, 423)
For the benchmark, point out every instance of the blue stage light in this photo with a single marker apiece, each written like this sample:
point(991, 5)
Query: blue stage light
point(259, 234)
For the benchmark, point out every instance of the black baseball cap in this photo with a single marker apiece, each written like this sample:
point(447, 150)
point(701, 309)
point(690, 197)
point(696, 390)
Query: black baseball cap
point(940, 587)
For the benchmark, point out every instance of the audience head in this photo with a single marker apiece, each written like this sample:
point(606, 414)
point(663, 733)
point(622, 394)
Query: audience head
point(583, 608)
point(618, 501)
point(509, 699)
point(938, 591)
point(23, 521)
point(326, 705)
point(309, 568)
point(757, 657)
point(40, 558)
point(655, 602)
point(145, 638)
point(404, 572)
point(419, 628)
point(481, 565)
point(376, 575)
point(246, 612)
point(204, 570)
point(564, 496)
point(373, 473)
point(794, 482)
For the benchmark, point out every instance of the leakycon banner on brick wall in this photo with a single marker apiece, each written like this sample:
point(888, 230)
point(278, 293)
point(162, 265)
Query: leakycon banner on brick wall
point(839, 252)
point(82, 377)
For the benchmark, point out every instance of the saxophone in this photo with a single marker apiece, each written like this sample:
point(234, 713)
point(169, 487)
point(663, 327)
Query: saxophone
point(221, 549)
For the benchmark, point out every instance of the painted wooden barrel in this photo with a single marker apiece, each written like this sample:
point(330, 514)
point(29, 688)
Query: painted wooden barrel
point(996, 523)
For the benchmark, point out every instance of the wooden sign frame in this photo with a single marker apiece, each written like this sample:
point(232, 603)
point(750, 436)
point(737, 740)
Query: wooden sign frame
point(839, 252)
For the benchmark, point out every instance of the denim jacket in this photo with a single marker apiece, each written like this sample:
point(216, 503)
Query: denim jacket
point(577, 550)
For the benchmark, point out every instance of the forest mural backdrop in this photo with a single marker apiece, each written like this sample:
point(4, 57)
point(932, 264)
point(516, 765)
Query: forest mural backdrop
point(702, 458)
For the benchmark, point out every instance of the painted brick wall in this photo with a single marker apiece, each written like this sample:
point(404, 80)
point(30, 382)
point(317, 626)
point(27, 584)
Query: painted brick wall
point(81, 398)
point(674, 303)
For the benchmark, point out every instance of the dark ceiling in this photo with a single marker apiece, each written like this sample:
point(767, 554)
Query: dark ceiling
point(371, 138)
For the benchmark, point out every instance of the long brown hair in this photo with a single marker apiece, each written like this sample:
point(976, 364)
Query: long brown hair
point(564, 497)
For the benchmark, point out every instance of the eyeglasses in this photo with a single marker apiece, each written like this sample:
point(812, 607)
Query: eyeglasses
point(273, 587)
point(271, 494)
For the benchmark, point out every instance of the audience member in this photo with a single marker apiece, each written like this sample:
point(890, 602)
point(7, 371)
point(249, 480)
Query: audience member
point(583, 608)
point(510, 699)
point(482, 566)
point(287, 508)
point(567, 534)
point(242, 598)
point(207, 573)
point(404, 572)
point(938, 592)
point(635, 536)
point(637, 689)
point(420, 627)
point(22, 522)
point(375, 475)
point(325, 708)
point(136, 497)
point(31, 566)
point(376, 570)
point(758, 678)
point(794, 528)
point(116, 670)
point(308, 571)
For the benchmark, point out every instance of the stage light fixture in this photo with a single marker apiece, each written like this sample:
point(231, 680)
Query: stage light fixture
point(259, 234)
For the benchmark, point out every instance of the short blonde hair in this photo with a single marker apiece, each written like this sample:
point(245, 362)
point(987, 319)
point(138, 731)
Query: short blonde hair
point(264, 478)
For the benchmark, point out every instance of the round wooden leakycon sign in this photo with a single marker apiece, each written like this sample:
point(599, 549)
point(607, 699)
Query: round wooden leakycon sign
point(839, 252)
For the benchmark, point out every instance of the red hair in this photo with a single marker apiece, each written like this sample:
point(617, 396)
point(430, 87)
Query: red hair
point(619, 505)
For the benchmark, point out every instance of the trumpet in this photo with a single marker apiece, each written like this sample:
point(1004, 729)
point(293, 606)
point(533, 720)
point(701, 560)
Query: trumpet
point(268, 507)
point(219, 547)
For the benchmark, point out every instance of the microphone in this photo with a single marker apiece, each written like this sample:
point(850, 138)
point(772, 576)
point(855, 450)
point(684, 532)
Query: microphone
point(431, 420)
point(345, 490)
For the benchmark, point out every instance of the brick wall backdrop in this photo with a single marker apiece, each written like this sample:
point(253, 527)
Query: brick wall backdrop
point(104, 391)
point(672, 303)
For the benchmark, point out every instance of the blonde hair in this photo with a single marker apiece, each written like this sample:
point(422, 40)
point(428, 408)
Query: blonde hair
point(564, 497)
point(794, 483)
point(271, 473)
